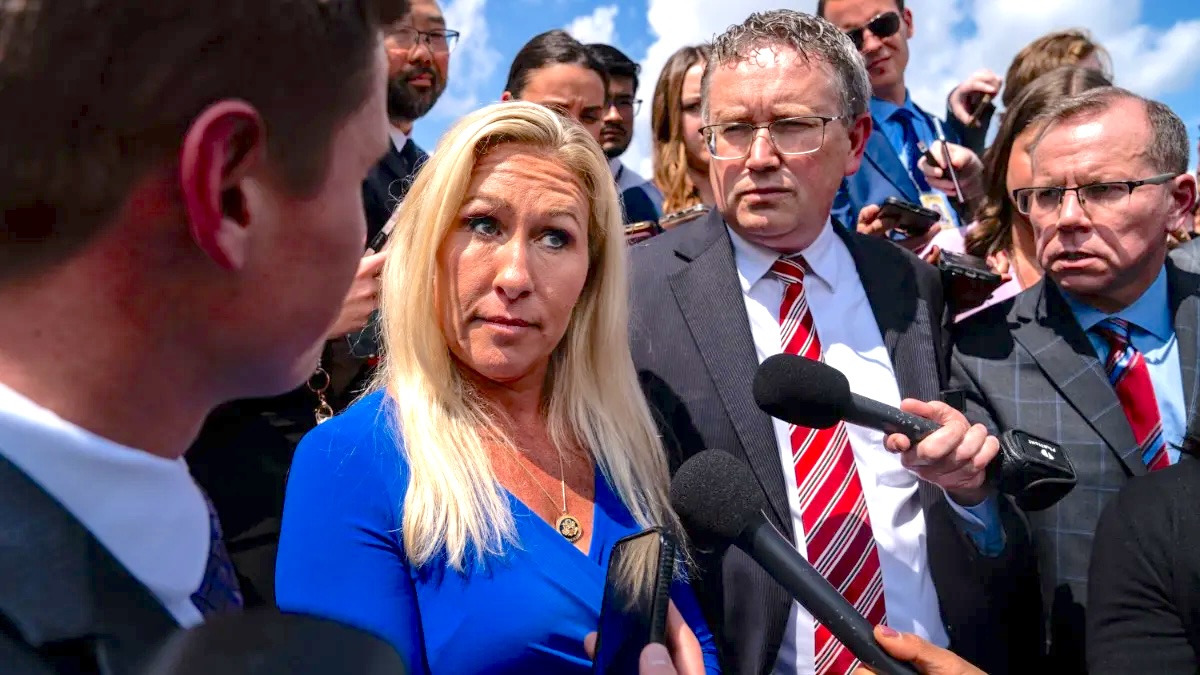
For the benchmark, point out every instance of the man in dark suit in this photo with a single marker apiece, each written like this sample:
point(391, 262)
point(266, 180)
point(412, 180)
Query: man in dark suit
point(882, 29)
point(178, 232)
point(784, 101)
point(1101, 356)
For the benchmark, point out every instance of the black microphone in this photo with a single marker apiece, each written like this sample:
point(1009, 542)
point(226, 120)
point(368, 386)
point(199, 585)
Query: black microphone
point(809, 393)
point(720, 503)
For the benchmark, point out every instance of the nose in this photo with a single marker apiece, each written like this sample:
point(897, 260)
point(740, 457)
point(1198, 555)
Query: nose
point(871, 42)
point(763, 156)
point(421, 52)
point(513, 276)
point(612, 114)
point(1071, 214)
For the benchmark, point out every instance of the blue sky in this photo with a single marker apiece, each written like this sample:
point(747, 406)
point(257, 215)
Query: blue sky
point(1155, 44)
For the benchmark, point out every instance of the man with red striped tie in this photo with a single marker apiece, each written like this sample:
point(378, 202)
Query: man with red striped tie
point(1102, 356)
point(911, 534)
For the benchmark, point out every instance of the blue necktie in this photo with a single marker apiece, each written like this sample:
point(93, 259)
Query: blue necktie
point(911, 152)
point(219, 592)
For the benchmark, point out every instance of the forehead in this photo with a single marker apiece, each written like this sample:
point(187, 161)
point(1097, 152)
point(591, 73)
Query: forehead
point(1105, 145)
point(620, 84)
point(511, 171)
point(855, 13)
point(564, 81)
point(769, 82)
point(425, 12)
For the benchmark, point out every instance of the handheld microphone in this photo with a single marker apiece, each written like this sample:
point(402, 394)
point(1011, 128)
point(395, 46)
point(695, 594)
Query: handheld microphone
point(720, 503)
point(809, 393)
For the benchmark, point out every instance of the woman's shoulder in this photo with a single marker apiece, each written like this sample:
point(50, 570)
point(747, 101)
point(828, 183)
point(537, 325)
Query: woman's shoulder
point(362, 442)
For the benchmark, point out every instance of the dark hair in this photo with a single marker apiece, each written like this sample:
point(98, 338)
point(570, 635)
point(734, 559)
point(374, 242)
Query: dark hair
point(821, 7)
point(550, 48)
point(616, 62)
point(82, 125)
point(993, 231)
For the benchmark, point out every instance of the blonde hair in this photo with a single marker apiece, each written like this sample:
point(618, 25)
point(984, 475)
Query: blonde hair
point(666, 120)
point(1048, 52)
point(454, 504)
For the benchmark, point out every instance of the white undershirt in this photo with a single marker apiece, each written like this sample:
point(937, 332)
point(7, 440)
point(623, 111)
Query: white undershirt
point(146, 510)
point(852, 343)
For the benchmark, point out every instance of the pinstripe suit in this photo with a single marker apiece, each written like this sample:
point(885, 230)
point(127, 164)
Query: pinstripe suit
point(1026, 364)
point(695, 355)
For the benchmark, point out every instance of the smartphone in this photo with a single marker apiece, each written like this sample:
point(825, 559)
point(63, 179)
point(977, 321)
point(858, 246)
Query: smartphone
point(911, 219)
point(636, 595)
point(641, 231)
point(969, 267)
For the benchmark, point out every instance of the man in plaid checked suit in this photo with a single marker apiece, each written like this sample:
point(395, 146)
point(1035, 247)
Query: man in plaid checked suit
point(1101, 356)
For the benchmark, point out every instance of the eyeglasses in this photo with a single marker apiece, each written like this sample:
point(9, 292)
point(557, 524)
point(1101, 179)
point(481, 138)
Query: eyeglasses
point(627, 103)
point(883, 26)
point(438, 40)
point(1048, 200)
point(789, 136)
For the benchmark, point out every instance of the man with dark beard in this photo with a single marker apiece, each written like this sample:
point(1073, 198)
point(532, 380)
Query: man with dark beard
point(418, 48)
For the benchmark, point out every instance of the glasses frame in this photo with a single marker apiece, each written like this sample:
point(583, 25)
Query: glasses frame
point(857, 35)
point(426, 36)
point(636, 104)
point(1130, 185)
point(709, 132)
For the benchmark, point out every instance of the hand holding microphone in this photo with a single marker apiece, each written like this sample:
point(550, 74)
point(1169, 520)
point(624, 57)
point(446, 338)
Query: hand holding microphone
point(955, 457)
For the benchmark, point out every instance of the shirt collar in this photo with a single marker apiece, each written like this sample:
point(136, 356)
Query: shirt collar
point(616, 167)
point(146, 510)
point(754, 261)
point(1151, 312)
point(885, 110)
point(399, 138)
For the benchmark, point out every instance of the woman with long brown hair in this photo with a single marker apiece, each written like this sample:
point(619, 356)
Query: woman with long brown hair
point(680, 157)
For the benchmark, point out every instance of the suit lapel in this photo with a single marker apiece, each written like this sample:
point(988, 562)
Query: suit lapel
point(1047, 329)
point(1182, 288)
point(397, 164)
point(885, 160)
point(85, 599)
point(710, 297)
point(903, 316)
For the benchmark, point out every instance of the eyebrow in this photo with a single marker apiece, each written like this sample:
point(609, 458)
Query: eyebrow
point(495, 204)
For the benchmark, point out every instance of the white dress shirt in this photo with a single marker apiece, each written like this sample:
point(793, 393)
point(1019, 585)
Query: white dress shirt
point(146, 510)
point(399, 138)
point(851, 343)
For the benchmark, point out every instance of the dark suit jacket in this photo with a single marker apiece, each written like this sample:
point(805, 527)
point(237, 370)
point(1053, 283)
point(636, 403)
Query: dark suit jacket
point(696, 359)
point(388, 182)
point(1026, 364)
point(1144, 606)
point(66, 605)
point(882, 173)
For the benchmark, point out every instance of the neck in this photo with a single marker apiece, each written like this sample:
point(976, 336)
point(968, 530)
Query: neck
point(1024, 254)
point(520, 400)
point(404, 126)
point(703, 186)
point(894, 94)
point(82, 356)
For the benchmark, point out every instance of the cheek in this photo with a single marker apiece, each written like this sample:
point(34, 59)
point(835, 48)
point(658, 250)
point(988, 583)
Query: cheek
point(567, 287)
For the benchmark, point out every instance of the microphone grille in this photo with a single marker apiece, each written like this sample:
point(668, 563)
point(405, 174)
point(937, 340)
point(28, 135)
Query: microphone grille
point(802, 391)
point(716, 497)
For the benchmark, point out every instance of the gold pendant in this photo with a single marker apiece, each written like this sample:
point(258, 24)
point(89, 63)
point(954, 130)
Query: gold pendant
point(569, 528)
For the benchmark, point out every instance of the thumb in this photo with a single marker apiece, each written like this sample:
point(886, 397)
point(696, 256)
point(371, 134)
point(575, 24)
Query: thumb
point(924, 656)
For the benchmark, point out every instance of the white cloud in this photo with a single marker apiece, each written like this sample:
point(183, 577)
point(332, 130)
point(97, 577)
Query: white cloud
point(1149, 61)
point(596, 27)
point(473, 61)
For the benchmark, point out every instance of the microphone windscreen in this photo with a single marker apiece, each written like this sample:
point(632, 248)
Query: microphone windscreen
point(716, 497)
point(802, 391)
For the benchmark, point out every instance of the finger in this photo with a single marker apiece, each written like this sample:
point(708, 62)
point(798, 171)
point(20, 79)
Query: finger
point(926, 657)
point(655, 660)
point(685, 649)
point(372, 264)
point(868, 213)
point(589, 645)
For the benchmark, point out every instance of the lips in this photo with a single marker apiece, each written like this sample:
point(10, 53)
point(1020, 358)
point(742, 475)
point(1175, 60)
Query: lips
point(878, 62)
point(510, 321)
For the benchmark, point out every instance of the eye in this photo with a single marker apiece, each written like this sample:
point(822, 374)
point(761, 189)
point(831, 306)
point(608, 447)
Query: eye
point(590, 118)
point(557, 238)
point(485, 225)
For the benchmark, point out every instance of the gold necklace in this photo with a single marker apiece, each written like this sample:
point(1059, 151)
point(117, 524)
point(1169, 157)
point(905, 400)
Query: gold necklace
point(568, 526)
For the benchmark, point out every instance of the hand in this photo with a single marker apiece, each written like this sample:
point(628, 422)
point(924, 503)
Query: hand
point(362, 299)
point(968, 96)
point(872, 224)
point(954, 457)
point(925, 657)
point(967, 166)
point(684, 657)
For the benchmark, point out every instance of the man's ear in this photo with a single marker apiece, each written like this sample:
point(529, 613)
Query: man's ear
point(222, 146)
point(507, 96)
point(1183, 198)
point(909, 27)
point(859, 132)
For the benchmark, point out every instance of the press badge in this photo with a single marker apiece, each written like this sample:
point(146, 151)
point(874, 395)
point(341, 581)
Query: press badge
point(940, 203)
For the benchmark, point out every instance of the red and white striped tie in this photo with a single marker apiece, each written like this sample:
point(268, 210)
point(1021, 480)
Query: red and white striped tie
point(833, 510)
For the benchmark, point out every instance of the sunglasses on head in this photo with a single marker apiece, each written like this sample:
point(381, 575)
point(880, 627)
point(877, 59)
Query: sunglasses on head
point(883, 26)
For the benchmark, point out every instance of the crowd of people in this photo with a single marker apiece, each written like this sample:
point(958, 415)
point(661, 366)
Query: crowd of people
point(264, 351)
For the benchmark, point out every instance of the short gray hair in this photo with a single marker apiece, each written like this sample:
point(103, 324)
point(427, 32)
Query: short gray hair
point(810, 36)
point(1168, 149)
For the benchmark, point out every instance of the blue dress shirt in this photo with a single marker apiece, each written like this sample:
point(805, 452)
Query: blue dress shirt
point(341, 556)
point(889, 117)
point(1152, 333)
